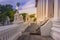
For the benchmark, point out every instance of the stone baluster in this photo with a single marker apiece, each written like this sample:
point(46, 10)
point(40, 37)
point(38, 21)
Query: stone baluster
point(7, 33)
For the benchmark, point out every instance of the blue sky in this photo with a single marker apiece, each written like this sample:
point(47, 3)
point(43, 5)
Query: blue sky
point(24, 3)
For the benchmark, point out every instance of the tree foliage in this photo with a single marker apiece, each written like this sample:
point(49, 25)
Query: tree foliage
point(32, 15)
point(6, 10)
point(24, 16)
point(18, 4)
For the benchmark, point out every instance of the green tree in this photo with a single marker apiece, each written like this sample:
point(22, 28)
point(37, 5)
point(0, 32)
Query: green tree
point(6, 10)
point(2, 18)
point(10, 12)
point(24, 16)
point(18, 4)
point(32, 15)
point(35, 19)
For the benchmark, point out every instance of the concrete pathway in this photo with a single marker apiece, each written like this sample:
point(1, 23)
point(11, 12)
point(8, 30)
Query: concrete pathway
point(34, 37)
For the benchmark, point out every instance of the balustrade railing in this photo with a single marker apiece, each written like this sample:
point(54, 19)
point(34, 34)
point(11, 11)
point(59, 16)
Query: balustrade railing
point(12, 32)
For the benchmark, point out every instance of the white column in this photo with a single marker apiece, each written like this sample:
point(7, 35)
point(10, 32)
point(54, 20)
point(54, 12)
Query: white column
point(55, 10)
point(46, 8)
point(41, 10)
point(59, 10)
point(56, 22)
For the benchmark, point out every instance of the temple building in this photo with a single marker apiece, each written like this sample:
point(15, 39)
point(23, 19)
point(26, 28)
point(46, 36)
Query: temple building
point(49, 9)
point(48, 20)
point(45, 9)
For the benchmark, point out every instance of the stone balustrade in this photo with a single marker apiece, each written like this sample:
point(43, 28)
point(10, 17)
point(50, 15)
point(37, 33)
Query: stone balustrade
point(12, 32)
point(46, 28)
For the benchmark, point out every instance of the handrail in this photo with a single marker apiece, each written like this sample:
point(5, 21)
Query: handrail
point(6, 32)
point(42, 25)
point(44, 22)
point(46, 28)
point(12, 32)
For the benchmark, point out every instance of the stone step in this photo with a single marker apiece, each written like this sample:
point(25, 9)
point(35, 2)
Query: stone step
point(55, 29)
point(56, 35)
point(56, 22)
point(32, 28)
point(54, 25)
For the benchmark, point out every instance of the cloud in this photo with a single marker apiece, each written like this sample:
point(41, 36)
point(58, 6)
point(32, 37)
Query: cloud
point(1, 0)
point(24, 3)
point(29, 4)
point(29, 10)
